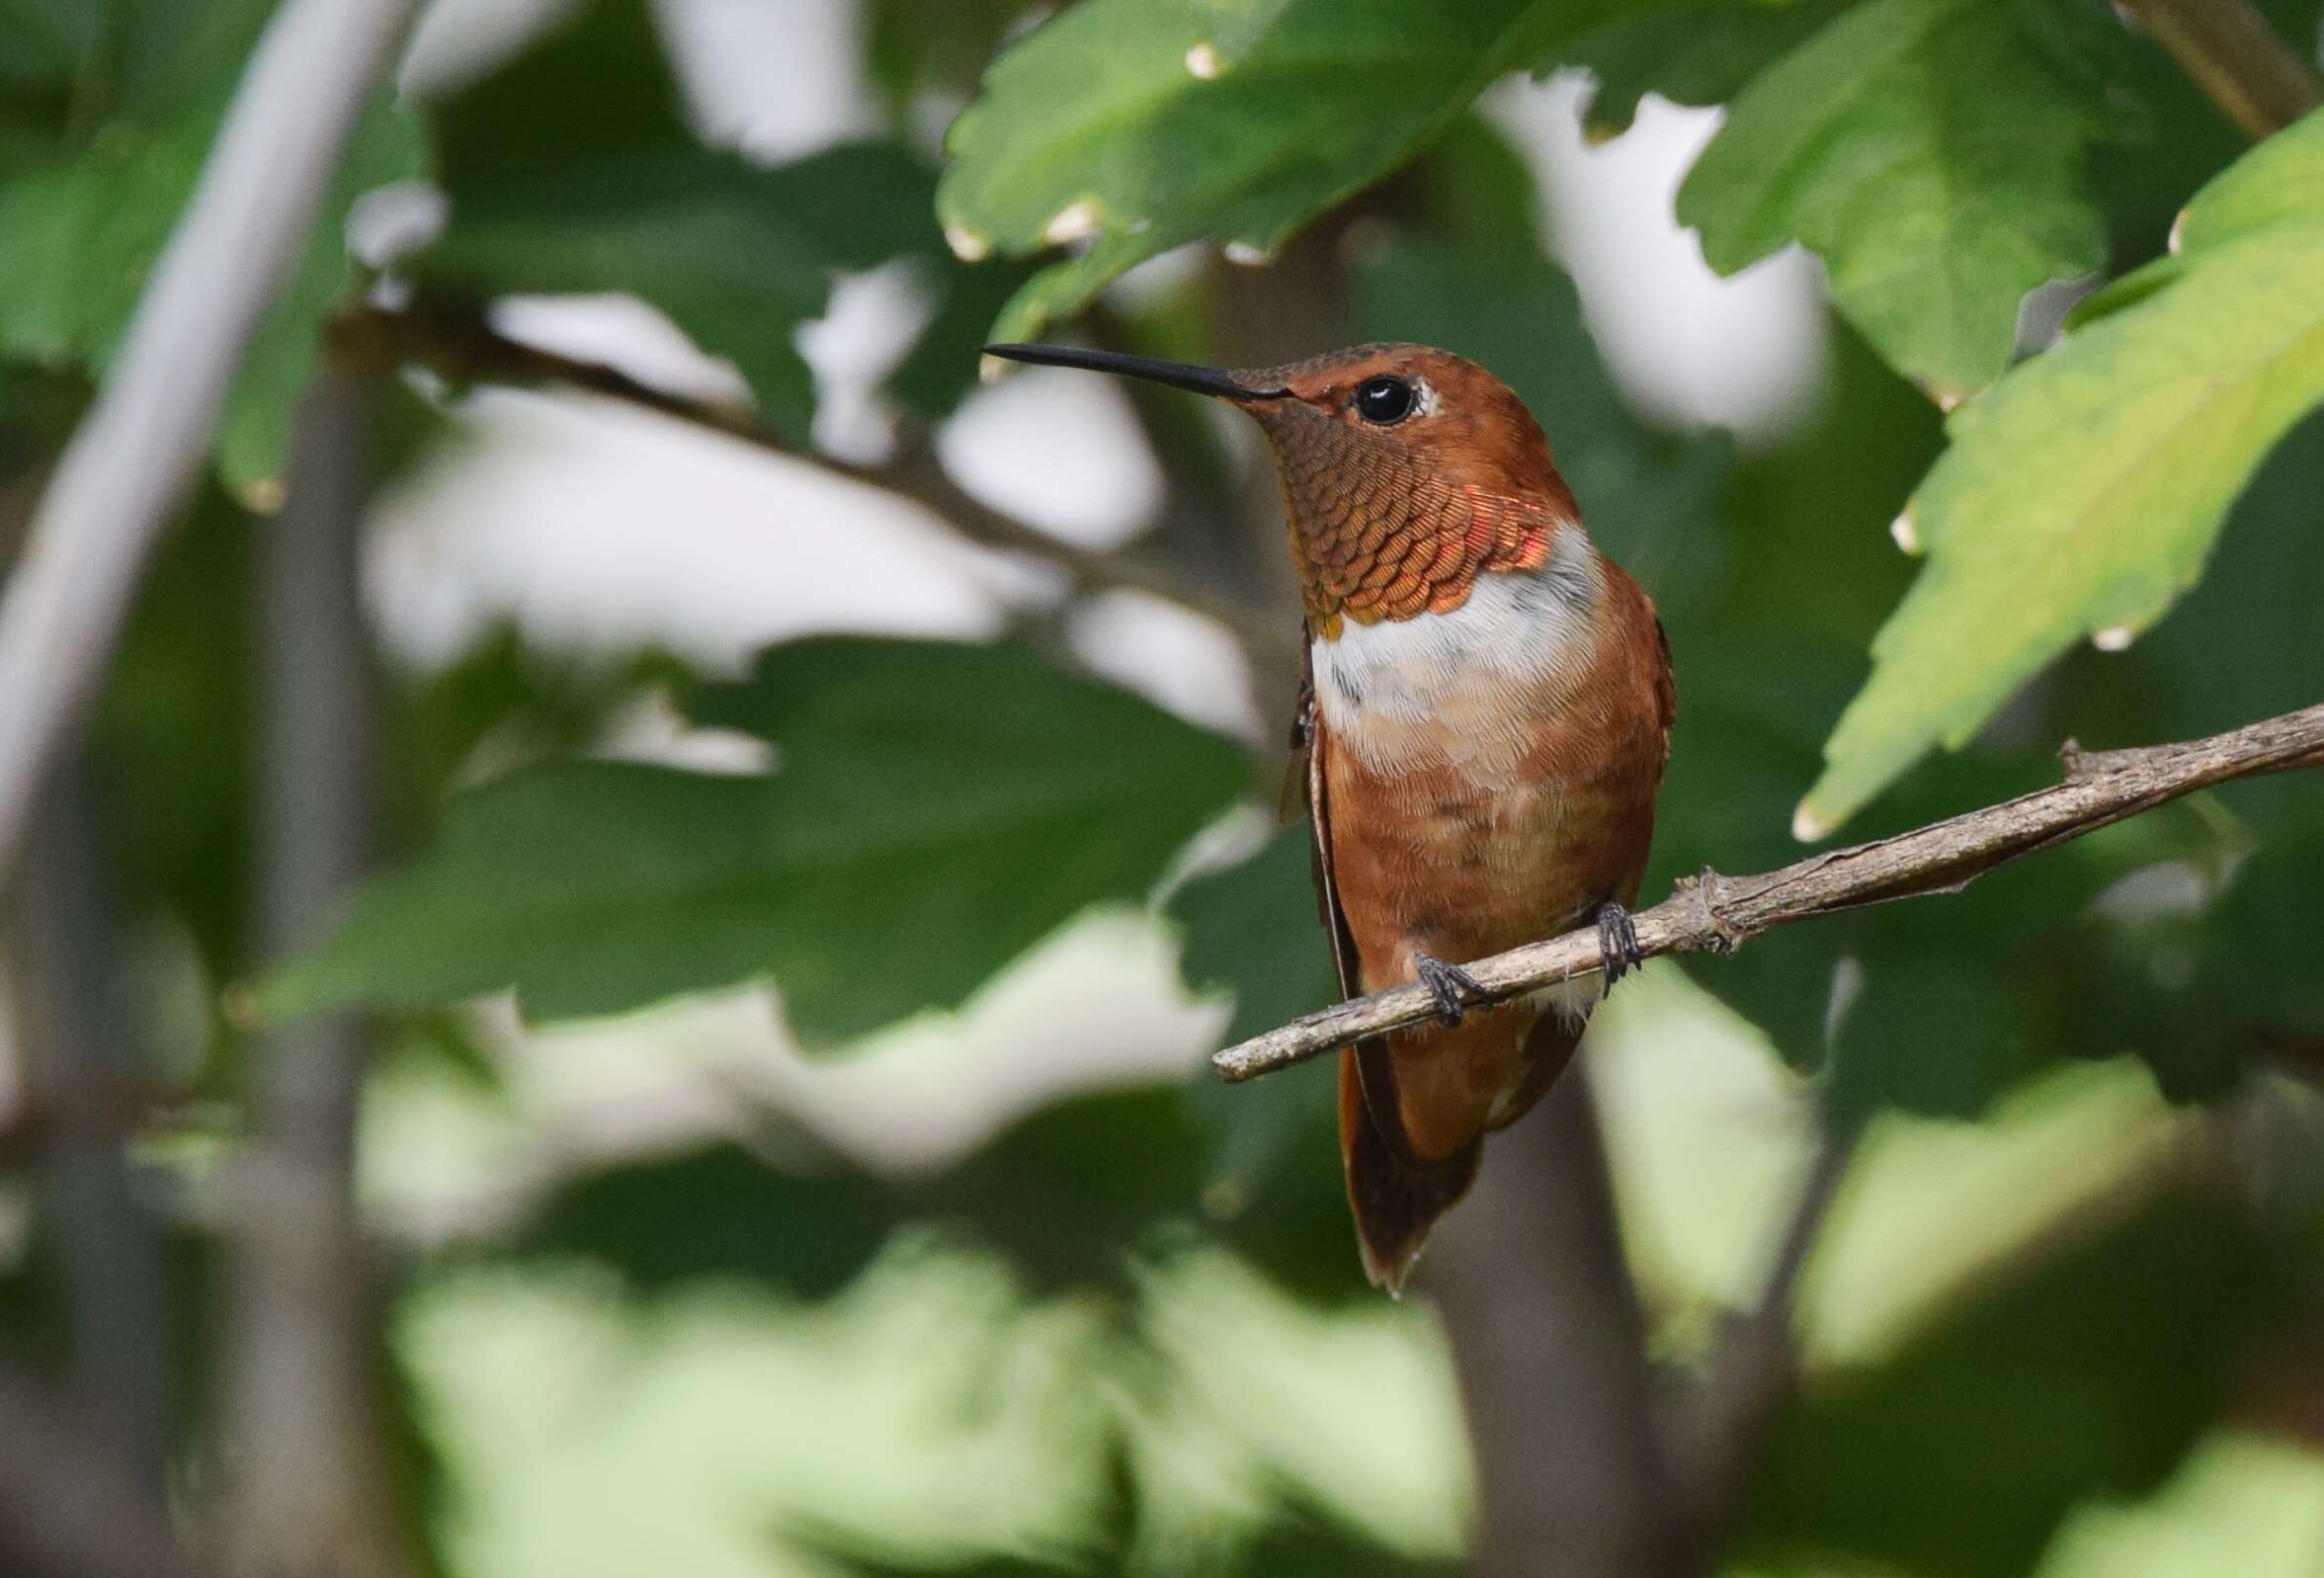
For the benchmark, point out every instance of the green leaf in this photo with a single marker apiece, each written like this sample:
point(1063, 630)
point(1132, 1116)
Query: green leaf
point(87, 214)
point(46, 38)
point(1253, 929)
point(82, 233)
point(1253, 932)
point(1945, 1006)
point(1934, 153)
point(1693, 52)
point(174, 743)
point(1139, 125)
point(938, 810)
point(2081, 496)
point(940, 369)
point(1070, 1193)
point(572, 169)
point(716, 1214)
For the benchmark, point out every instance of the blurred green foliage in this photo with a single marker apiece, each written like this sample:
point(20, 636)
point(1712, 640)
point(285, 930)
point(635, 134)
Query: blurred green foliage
point(2094, 1376)
point(111, 110)
point(939, 808)
point(2082, 498)
point(932, 813)
point(571, 168)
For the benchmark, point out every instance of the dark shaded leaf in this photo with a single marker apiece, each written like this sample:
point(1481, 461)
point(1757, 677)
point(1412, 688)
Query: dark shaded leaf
point(172, 742)
point(572, 169)
point(716, 1214)
point(85, 210)
point(1270, 1181)
point(1694, 52)
point(940, 809)
point(1958, 1457)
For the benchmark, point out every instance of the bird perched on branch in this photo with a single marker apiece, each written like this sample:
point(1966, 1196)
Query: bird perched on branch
point(1482, 726)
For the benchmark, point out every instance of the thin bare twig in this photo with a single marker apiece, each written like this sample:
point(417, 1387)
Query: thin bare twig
point(130, 464)
point(2231, 53)
point(1714, 914)
point(457, 342)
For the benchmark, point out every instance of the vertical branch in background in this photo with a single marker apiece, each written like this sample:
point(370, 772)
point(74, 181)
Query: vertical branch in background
point(309, 1489)
point(2227, 48)
point(69, 1508)
point(1529, 1277)
point(122, 478)
point(83, 1078)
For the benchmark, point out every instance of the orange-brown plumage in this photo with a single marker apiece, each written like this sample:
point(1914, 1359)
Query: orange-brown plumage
point(1386, 530)
point(1486, 719)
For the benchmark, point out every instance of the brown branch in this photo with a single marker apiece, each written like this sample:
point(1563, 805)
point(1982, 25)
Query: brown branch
point(70, 1506)
point(2228, 50)
point(1549, 1344)
point(456, 342)
point(307, 1488)
point(1714, 914)
point(83, 1060)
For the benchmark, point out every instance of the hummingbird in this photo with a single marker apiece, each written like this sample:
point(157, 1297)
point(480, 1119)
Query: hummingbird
point(1480, 731)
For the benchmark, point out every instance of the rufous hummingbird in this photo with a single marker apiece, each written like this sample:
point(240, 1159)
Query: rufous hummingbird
point(1481, 731)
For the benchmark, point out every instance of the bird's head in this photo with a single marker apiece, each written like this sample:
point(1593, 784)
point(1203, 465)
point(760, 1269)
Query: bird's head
point(1407, 471)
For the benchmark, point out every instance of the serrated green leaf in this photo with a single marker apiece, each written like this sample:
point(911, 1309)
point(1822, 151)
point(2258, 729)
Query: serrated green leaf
point(572, 169)
point(1934, 153)
point(938, 810)
point(1693, 52)
point(2082, 494)
point(1139, 125)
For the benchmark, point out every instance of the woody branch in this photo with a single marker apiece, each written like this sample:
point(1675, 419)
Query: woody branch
point(457, 342)
point(1715, 914)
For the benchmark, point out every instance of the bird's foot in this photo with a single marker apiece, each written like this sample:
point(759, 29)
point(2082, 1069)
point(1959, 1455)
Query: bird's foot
point(1454, 988)
point(1619, 940)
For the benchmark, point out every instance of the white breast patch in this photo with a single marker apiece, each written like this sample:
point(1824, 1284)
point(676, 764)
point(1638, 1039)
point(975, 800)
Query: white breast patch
point(1452, 686)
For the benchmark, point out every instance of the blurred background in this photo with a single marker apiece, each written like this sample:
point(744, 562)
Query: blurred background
point(562, 1024)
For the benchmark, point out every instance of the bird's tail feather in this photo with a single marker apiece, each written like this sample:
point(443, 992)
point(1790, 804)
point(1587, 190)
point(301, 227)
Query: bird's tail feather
point(1395, 1199)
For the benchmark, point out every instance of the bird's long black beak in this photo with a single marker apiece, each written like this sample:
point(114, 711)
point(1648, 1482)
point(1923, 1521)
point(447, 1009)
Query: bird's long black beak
point(1176, 374)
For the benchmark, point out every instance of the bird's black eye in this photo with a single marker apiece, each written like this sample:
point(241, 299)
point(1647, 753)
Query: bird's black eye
point(1383, 400)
